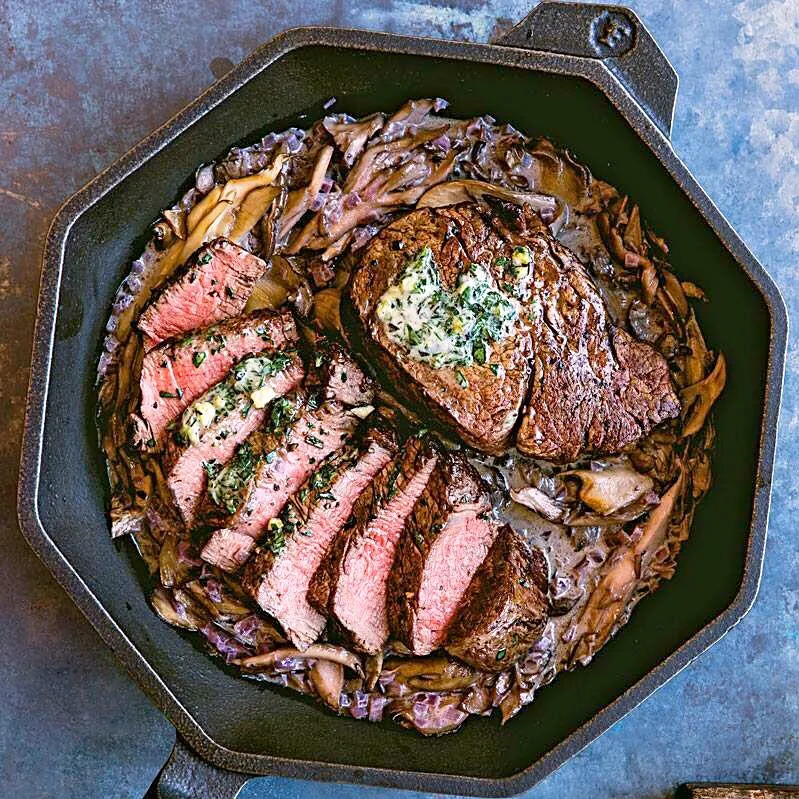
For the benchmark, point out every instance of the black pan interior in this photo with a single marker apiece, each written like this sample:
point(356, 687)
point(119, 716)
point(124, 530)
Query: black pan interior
point(246, 717)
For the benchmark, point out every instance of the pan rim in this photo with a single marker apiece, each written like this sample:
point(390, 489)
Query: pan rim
point(598, 75)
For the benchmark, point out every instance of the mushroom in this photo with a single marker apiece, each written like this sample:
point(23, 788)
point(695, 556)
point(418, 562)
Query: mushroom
point(698, 399)
point(428, 674)
point(625, 566)
point(458, 191)
point(351, 136)
point(608, 490)
point(535, 499)
point(327, 678)
point(335, 654)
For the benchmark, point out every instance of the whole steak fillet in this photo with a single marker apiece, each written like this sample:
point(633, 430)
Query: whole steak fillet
point(505, 608)
point(214, 284)
point(445, 539)
point(483, 403)
point(175, 373)
point(594, 388)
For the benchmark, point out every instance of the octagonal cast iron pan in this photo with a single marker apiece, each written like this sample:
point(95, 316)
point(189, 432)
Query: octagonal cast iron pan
point(591, 78)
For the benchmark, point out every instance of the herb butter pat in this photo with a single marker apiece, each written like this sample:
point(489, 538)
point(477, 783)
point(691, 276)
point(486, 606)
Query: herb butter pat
point(247, 378)
point(444, 327)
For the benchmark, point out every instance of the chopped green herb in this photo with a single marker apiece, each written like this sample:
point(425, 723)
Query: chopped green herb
point(314, 441)
point(460, 377)
point(494, 367)
point(205, 258)
point(501, 654)
point(445, 327)
point(168, 395)
point(198, 359)
point(229, 292)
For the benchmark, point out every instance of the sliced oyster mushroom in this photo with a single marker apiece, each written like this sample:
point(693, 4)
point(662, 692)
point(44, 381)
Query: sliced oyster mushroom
point(458, 191)
point(698, 399)
point(625, 567)
point(335, 654)
point(429, 673)
point(535, 499)
point(608, 490)
point(327, 678)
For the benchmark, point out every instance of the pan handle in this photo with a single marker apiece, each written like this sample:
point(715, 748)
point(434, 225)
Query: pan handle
point(611, 34)
point(187, 776)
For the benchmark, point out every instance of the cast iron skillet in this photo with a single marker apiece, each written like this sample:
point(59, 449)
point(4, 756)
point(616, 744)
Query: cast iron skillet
point(591, 78)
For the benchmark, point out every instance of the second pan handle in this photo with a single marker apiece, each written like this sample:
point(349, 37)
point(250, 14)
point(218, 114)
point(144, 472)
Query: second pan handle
point(612, 34)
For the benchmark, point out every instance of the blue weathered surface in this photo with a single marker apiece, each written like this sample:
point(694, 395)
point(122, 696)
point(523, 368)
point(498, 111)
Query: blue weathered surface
point(81, 81)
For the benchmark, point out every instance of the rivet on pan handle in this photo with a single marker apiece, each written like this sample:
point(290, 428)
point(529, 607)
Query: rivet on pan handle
point(611, 34)
point(187, 776)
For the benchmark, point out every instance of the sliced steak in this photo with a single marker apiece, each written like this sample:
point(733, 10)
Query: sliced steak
point(211, 428)
point(279, 574)
point(444, 541)
point(505, 608)
point(351, 584)
point(176, 373)
point(340, 376)
point(214, 284)
point(480, 402)
point(281, 461)
point(594, 388)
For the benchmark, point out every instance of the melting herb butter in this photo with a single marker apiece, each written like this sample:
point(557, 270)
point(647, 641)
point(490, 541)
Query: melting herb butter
point(248, 378)
point(446, 327)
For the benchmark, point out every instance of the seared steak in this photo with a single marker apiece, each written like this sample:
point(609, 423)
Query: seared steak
point(445, 539)
point(210, 429)
point(481, 401)
point(214, 284)
point(594, 388)
point(175, 373)
point(279, 461)
point(279, 574)
point(351, 584)
point(339, 376)
point(505, 608)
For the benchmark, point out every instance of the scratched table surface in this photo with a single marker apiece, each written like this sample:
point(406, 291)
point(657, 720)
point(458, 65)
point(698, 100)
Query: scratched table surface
point(83, 80)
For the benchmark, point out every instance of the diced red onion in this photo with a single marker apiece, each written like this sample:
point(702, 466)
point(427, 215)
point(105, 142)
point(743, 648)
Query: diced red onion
point(439, 104)
point(247, 628)
point(204, 179)
point(225, 644)
point(214, 590)
point(317, 202)
point(329, 103)
point(376, 705)
point(351, 201)
point(442, 142)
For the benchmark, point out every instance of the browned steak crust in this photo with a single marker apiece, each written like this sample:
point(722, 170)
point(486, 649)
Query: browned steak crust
point(505, 608)
point(485, 411)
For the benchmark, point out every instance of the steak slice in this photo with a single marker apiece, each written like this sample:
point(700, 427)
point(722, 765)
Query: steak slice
point(214, 284)
point(281, 462)
point(594, 388)
point(175, 373)
point(444, 541)
point(351, 584)
point(279, 574)
point(211, 428)
point(505, 608)
point(339, 376)
point(480, 402)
